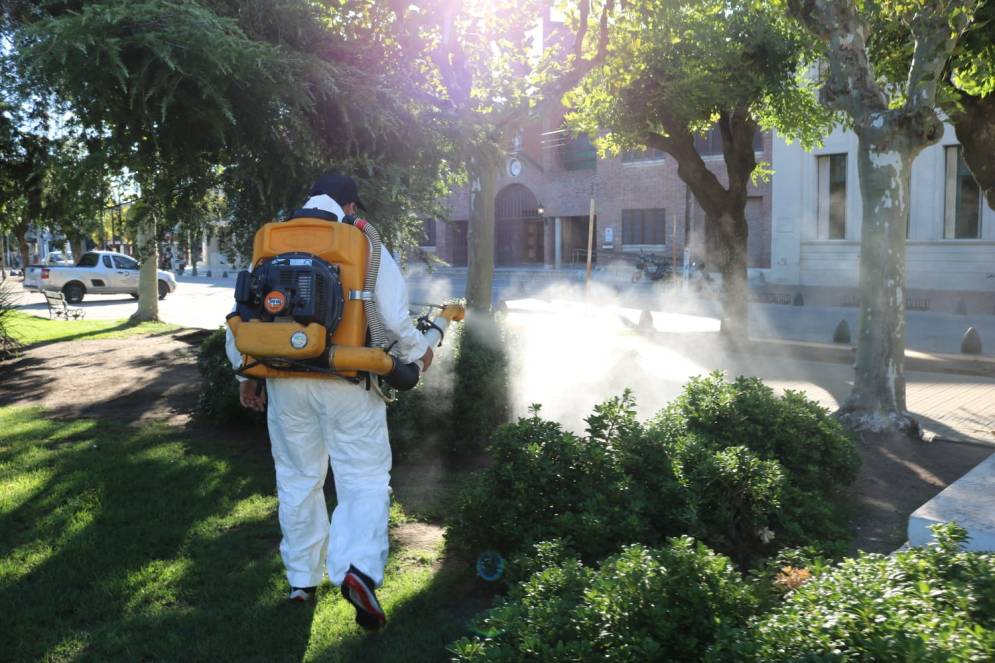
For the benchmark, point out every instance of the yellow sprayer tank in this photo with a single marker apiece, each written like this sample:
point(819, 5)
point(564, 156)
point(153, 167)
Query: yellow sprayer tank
point(337, 243)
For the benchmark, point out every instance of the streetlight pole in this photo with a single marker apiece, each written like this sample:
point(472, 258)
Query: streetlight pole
point(590, 240)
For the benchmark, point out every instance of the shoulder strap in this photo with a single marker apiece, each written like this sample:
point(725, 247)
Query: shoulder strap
point(312, 214)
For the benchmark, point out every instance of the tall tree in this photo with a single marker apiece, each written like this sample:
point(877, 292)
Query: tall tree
point(256, 97)
point(893, 124)
point(678, 68)
point(473, 65)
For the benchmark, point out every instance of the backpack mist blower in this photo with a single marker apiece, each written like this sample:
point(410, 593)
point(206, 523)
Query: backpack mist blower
point(307, 307)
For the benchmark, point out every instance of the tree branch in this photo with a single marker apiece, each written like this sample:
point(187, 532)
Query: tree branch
point(579, 67)
point(851, 86)
point(679, 143)
point(936, 29)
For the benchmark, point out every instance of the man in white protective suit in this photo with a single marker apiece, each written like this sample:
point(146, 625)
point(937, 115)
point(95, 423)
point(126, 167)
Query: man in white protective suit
point(313, 420)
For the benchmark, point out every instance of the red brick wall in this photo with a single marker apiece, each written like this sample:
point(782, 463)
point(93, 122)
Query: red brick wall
point(617, 186)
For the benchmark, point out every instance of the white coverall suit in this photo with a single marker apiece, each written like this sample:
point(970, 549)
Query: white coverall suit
point(313, 420)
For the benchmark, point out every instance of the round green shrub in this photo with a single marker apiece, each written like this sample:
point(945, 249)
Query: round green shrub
point(218, 399)
point(546, 483)
point(746, 492)
point(643, 604)
point(935, 603)
point(758, 466)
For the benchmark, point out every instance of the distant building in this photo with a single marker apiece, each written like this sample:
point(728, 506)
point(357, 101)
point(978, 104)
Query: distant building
point(817, 217)
point(804, 225)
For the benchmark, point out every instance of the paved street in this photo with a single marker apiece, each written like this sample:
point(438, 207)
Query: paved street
point(203, 302)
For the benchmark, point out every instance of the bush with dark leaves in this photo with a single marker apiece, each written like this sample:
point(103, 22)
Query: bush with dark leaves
point(671, 603)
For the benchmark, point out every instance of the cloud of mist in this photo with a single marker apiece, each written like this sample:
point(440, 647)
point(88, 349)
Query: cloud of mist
point(571, 348)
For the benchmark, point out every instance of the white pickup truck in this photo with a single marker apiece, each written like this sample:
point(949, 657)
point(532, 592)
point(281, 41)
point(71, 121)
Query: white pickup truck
point(97, 272)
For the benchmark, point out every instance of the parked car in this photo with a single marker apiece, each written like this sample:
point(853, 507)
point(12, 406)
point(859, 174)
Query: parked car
point(97, 272)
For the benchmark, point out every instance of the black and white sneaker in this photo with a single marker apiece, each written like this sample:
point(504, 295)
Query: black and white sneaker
point(301, 594)
point(357, 588)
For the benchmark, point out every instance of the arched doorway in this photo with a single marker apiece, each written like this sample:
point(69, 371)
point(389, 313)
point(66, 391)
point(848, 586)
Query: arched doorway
point(518, 232)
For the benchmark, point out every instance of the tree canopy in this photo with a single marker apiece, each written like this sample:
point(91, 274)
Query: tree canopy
point(677, 68)
point(676, 65)
point(254, 97)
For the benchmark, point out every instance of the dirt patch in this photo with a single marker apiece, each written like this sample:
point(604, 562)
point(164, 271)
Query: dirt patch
point(418, 536)
point(898, 476)
point(133, 380)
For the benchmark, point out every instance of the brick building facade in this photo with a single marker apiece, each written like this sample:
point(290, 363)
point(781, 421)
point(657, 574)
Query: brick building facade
point(544, 194)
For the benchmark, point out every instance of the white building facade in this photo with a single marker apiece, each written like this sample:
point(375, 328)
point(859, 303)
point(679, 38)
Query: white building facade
point(817, 210)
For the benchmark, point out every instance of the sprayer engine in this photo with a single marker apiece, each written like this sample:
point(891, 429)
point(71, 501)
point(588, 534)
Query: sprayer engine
point(295, 286)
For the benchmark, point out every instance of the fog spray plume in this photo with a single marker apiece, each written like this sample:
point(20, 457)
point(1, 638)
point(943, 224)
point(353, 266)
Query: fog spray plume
point(571, 348)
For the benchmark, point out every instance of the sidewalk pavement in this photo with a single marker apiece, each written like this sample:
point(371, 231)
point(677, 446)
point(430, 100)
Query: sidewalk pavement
point(949, 406)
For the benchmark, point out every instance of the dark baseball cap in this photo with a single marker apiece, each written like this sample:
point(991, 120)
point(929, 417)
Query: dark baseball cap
point(341, 188)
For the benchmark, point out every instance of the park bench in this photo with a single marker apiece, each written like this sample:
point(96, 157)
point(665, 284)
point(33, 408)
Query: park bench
point(59, 308)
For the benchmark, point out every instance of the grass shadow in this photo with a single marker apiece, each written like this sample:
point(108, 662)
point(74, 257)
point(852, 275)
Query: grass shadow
point(139, 545)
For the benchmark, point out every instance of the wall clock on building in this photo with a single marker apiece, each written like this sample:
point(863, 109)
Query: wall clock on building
point(514, 167)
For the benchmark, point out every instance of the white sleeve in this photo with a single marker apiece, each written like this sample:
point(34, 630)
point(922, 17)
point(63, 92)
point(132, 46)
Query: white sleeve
point(392, 301)
point(234, 356)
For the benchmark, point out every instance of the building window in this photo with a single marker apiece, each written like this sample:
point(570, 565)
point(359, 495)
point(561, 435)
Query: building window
point(962, 201)
point(832, 196)
point(644, 226)
point(645, 154)
point(428, 233)
point(579, 154)
point(711, 143)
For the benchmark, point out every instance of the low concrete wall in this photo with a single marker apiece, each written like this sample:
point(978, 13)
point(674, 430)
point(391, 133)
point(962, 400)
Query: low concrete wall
point(969, 501)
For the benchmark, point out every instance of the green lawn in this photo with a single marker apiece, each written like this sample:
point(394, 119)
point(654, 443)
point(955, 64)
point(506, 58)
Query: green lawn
point(29, 329)
point(124, 544)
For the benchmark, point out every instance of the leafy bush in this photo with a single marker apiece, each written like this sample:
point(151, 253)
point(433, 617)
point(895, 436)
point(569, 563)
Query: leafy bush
point(546, 483)
point(480, 391)
point(684, 473)
point(8, 344)
point(643, 604)
point(757, 466)
point(218, 400)
point(923, 604)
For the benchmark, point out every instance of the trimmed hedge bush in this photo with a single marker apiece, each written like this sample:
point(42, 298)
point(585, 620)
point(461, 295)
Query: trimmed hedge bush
point(935, 603)
point(757, 466)
point(730, 464)
point(643, 604)
point(419, 419)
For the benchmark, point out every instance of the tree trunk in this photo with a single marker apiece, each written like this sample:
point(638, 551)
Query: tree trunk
point(726, 229)
point(148, 280)
point(975, 127)
point(732, 233)
point(877, 402)
point(480, 235)
point(21, 235)
point(79, 247)
point(193, 254)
